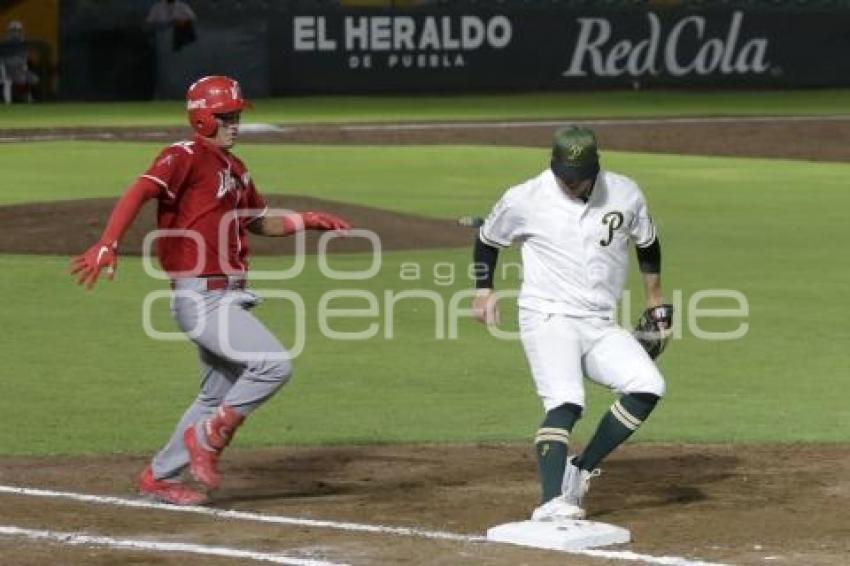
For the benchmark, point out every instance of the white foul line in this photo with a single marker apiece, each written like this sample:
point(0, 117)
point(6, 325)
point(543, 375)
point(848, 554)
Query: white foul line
point(81, 539)
point(635, 557)
point(239, 515)
point(343, 526)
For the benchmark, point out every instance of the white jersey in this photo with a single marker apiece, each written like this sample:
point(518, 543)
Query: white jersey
point(575, 255)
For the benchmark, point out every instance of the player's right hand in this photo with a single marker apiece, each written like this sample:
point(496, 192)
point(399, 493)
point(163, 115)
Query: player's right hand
point(485, 307)
point(87, 267)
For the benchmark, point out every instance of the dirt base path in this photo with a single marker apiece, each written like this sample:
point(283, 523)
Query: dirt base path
point(736, 504)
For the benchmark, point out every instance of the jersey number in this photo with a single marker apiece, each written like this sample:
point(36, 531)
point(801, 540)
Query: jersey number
point(613, 220)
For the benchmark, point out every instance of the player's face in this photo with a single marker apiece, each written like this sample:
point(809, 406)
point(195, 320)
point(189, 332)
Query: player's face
point(228, 129)
point(578, 188)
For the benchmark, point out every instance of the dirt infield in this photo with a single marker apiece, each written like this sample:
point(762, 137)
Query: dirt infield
point(739, 504)
point(731, 504)
point(817, 139)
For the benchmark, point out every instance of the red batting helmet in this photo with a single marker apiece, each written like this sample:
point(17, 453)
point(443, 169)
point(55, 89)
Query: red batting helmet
point(210, 96)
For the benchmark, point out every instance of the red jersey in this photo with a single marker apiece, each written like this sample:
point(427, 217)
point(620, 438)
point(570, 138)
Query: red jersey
point(209, 192)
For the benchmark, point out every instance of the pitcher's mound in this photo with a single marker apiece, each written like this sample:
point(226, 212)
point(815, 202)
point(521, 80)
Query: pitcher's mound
point(69, 227)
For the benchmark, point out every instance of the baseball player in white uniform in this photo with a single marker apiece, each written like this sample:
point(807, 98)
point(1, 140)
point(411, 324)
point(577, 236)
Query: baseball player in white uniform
point(574, 223)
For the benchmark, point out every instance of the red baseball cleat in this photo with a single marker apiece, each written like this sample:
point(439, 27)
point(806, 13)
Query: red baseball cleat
point(174, 492)
point(218, 430)
point(203, 463)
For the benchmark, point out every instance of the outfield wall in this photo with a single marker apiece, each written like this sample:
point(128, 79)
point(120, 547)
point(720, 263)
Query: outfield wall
point(324, 48)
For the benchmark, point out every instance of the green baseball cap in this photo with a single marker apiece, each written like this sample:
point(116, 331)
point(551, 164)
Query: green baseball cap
point(574, 153)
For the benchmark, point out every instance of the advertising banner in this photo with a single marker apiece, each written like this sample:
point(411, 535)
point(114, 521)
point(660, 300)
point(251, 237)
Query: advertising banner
point(397, 51)
point(288, 48)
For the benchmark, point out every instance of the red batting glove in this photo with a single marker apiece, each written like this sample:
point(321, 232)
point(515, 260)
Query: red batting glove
point(323, 221)
point(87, 266)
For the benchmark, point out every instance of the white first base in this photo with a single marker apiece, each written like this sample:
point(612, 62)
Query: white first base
point(563, 535)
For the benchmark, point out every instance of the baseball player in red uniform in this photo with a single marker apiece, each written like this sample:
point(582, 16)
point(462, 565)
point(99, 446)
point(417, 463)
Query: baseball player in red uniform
point(207, 201)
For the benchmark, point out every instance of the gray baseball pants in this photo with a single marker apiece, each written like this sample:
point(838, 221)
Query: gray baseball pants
point(242, 363)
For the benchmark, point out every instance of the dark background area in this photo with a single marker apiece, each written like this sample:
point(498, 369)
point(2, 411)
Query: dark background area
point(106, 52)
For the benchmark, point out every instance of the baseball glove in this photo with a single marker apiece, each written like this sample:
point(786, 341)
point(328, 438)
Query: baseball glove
point(653, 329)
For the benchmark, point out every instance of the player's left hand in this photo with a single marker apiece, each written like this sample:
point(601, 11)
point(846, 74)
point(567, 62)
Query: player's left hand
point(87, 267)
point(323, 221)
point(654, 328)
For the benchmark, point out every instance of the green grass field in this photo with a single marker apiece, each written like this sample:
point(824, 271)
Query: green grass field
point(81, 376)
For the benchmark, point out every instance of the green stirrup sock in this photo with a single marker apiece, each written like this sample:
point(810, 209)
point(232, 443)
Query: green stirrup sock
point(551, 444)
point(622, 419)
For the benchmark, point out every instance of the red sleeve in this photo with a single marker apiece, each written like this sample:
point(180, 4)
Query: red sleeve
point(127, 208)
point(171, 169)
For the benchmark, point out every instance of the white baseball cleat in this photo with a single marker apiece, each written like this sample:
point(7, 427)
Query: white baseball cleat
point(558, 509)
point(568, 505)
point(576, 482)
